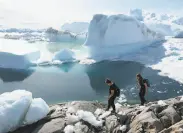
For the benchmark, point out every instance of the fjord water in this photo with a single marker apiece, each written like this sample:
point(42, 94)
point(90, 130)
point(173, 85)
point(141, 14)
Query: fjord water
point(74, 81)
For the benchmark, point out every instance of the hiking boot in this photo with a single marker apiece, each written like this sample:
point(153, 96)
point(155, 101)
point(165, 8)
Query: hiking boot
point(113, 111)
point(107, 110)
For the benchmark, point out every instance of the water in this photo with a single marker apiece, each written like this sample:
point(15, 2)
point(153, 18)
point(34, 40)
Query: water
point(74, 81)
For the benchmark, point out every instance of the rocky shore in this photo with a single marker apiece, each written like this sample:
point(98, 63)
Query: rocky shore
point(89, 117)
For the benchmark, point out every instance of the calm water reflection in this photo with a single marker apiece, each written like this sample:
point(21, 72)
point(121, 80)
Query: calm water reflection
point(74, 81)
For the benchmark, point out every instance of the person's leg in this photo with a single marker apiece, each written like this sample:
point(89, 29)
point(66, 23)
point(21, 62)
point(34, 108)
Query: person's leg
point(109, 104)
point(141, 98)
point(112, 103)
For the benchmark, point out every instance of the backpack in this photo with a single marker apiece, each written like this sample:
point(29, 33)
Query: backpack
point(147, 82)
point(117, 92)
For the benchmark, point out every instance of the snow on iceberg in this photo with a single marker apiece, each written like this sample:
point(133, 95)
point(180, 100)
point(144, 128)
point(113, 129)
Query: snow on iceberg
point(76, 27)
point(164, 29)
point(179, 21)
point(64, 55)
point(137, 13)
point(9, 60)
point(14, 107)
point(123, 31)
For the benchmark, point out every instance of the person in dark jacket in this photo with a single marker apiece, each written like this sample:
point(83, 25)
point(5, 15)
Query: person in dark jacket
point(112, 95)
point(143, 88)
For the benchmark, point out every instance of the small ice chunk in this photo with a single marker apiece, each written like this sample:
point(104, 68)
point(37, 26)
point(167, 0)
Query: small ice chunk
point(141, 107)
point(90, 118)
point(107, 113)
point(162, 103)
point(123, 128)
point(71, 110)
point(118, 106)
point(72, 119)
point(65, 55)
point(122, 98)
point(69, 129)
point(181, 98)
point(98, 112)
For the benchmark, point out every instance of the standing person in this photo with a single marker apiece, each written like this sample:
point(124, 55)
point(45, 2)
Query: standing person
point(113, 90)
point(143, 88)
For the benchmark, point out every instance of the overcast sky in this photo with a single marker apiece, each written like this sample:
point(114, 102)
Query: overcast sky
point(44, 13)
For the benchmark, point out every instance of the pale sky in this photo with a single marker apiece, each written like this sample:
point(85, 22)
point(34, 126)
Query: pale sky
point(45, 13)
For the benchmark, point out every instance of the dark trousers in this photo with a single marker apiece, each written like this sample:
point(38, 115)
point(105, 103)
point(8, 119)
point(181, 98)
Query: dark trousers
point(142, 96)
point(111, 103)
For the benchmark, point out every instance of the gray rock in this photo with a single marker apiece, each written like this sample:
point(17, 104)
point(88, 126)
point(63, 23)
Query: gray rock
point(151, 119)
point(147, 121)
point(85, 105)
point(177, 128)
point(80, 128)
point(172, 115)
point(166, 121)
point(54, 126)
point(111, 123)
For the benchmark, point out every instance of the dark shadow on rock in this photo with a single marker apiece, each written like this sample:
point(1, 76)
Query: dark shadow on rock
point(11, 75)
point(30, 128)
point(123, 73)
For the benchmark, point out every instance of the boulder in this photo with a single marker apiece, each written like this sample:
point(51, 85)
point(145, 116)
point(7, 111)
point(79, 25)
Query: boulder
point(145, 122)
point(111, 123)
point(54, 126)
point(169, 114)
point(177, 128)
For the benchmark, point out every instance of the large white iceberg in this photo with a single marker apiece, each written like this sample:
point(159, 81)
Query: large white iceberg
point(64, 55)
point(10, 60)
point(118, 29)
point(17, 105)
point(106, 32)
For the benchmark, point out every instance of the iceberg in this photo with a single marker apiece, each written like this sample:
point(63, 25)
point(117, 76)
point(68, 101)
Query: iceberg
point(54, 35)
point(76, 27)
point(137, 13)
point(179, 35)
point(179, 21)
point(119, 33)
point(12, 61)
point(39, 106)
point(165, 24)
point(17, 105)
point(164, 29)
point(64, 55)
